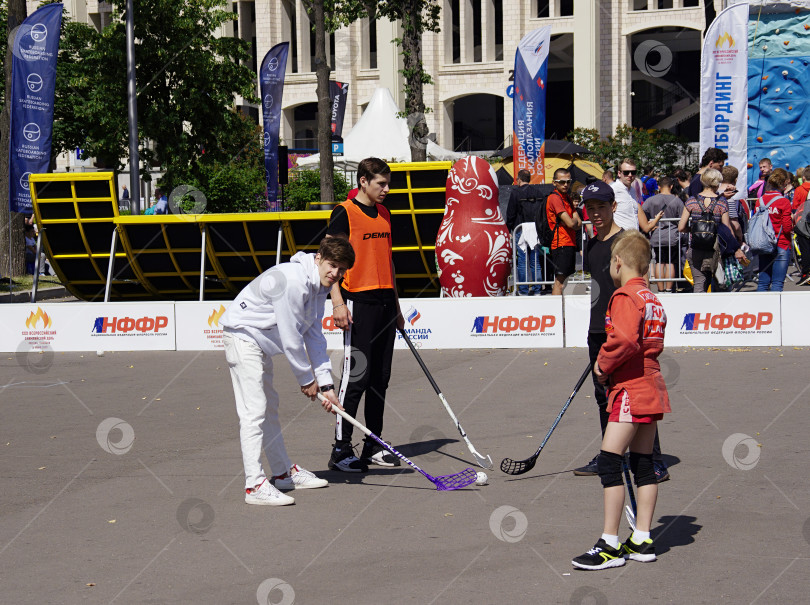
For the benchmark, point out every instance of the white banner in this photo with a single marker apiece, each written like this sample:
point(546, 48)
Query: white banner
point(795, 328)
point(87, 327)
point(724, 88)
point(723, 320)
point(198, 325)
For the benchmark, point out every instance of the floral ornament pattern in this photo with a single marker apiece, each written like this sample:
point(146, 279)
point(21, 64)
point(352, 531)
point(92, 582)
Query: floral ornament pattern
point(473, 247)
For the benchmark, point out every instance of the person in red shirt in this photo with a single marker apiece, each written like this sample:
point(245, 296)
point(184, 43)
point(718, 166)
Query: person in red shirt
point(773, 267)
point(802, 227)
point(637, 399)
point(564, 222)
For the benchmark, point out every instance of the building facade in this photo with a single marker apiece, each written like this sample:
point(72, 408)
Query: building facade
point(611, 62)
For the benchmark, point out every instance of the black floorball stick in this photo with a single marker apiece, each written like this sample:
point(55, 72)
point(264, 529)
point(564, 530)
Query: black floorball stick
point(518, 467)
point(483, 461)
point(442, 483)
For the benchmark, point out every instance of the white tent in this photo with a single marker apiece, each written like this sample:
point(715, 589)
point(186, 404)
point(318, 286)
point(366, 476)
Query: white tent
point(380, 133)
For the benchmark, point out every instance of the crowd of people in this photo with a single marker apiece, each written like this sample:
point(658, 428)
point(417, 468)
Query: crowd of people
point(698, 225)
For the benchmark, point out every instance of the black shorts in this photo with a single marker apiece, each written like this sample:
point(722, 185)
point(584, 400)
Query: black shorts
point(666, 255)
point(564, 260)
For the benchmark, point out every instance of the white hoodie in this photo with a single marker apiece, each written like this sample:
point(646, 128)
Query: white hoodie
point(282, 312)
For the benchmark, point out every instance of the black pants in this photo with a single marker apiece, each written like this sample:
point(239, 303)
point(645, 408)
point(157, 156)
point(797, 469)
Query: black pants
point(368, 351)
point(804, 248)
point(595, 342)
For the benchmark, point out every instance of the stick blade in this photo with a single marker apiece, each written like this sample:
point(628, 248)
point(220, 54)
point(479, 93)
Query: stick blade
point(450, 482)
point(517, 467)
point(483, 462)
point(631, 517)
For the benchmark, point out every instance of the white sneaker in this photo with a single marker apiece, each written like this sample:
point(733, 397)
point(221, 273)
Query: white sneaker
point(299, 478)
point(267, 495)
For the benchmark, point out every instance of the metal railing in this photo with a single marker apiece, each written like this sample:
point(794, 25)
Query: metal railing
point(543, 272)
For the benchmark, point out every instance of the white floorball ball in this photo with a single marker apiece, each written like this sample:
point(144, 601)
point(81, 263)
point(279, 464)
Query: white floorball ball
point(100, 353)
point(481, 478)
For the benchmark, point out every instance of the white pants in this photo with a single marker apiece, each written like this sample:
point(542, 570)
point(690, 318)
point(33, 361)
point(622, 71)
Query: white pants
point(257, 408)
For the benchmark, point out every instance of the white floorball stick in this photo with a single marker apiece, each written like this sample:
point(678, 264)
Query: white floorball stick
point(482, 461)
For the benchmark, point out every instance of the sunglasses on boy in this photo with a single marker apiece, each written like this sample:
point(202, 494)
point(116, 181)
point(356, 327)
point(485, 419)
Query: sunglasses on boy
point(563, 181)
point(629, 172)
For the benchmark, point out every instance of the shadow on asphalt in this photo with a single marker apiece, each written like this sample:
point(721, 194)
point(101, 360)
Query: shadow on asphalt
point(676, 531)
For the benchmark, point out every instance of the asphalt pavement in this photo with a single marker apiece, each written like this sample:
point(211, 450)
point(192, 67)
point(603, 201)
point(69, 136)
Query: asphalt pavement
point(122, 483)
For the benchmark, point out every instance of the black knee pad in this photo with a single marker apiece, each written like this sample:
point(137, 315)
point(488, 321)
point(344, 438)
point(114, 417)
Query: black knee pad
point(643, 469)
point(609, 466)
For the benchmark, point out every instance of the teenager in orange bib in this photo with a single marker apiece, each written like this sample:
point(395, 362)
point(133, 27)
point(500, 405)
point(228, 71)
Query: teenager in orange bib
point(366, 307)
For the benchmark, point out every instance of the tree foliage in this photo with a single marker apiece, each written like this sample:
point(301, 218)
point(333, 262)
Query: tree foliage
point(187, 77)
point(304, 189)
point(648, 147)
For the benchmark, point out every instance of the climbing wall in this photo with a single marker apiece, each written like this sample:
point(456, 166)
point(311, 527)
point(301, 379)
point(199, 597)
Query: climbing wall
point(778, 90)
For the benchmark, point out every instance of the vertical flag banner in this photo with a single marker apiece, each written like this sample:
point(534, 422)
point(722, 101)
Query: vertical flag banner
point(724, 88)
point(33, 81)
point(529, 104)
point(338, 92)
point(271, 79)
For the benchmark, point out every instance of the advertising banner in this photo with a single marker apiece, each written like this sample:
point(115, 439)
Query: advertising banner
point(795, 328)
point(339, 93)
point(724, 88)
point(33, 81)
point(473, 323)
point(271, 81)
point(88, 327)
point(723, 320)
point(529, 104)
point(198, 326)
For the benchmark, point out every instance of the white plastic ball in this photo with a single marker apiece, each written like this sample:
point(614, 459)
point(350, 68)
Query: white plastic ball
point(100, 353)
point(481, 478)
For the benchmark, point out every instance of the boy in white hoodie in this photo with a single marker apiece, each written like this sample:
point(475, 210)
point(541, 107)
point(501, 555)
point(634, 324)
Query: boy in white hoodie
point(280, 312)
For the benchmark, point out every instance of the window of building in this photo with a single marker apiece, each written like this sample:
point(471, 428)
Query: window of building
point(664, 4)
point(691, 3)
point(543, 9)
point(477, 37)
point(289, 30)
point(566, 8)
point(455, 11)
point(498, 10)
point(639, 5)
point(372, 43)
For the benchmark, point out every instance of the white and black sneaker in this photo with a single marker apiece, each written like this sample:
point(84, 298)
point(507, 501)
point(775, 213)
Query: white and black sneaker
point(344, 459)
point(374, 453)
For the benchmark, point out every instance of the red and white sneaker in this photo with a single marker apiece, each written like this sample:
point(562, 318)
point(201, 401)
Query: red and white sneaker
point(267, 495)
point(298, 478)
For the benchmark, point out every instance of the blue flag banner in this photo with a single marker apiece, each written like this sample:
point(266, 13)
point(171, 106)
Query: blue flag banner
point(271, 79)
point(33, 81)
point(529, 104)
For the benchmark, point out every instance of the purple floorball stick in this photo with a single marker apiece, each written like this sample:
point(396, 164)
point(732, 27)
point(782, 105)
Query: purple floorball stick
point(443, 483)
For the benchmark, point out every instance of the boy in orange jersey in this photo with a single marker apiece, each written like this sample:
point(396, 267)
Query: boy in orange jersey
point(366, 307)
point(637, 400)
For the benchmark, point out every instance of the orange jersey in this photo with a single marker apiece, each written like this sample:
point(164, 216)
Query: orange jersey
point(371, 240)
point(635, 322)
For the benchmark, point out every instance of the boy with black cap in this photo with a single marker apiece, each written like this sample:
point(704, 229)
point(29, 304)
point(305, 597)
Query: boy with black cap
point(600, 204)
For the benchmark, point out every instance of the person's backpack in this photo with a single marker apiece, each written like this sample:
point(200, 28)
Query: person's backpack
point(545, 234)
point(529, 201)
point(760, 235)
point(802, 226)
point(704, 228)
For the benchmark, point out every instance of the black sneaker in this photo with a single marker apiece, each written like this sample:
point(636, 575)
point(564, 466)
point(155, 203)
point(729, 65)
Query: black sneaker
point(344, 459)
point(601, 556)
point(661, 472)
point(588, 470)
point(644, 552)
point(374, 453)
point(805, 280)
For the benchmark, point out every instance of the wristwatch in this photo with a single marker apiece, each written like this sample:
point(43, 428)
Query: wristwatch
point(327, 387)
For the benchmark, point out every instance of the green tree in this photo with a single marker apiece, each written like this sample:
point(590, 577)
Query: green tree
point(303, 190)
point(648, 147)
point(187, 76)
point(417, 17)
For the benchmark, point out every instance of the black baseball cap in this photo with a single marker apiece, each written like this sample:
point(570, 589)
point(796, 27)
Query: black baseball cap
point(598, 190)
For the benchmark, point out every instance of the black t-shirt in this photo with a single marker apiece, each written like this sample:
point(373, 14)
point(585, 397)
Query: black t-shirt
point(602, 286)
point(339, 224)
point(695, 186)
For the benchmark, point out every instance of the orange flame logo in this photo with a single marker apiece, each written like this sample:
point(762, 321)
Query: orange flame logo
point(33, 318)
point(726, 37)
point(215, 316)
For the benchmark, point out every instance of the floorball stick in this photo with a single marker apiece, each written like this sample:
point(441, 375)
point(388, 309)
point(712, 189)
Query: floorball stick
point(518, 467)
point(482, 461)
point(442, 483)
point(630, 509)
